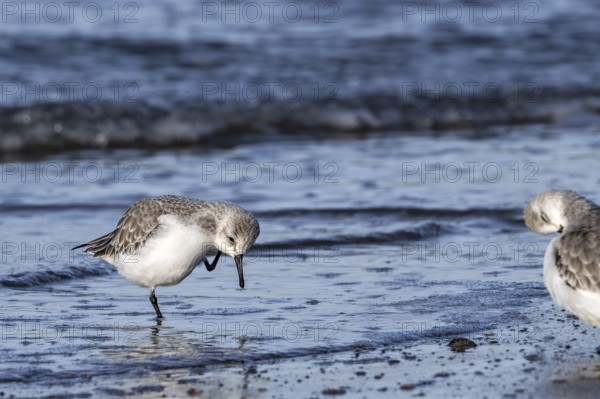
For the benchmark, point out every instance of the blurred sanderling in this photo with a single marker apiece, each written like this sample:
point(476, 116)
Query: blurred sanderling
point(159, 241)
point(572, 260)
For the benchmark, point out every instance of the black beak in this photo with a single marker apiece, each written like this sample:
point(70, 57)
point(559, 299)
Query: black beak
point(238, 263)
point(561, 229)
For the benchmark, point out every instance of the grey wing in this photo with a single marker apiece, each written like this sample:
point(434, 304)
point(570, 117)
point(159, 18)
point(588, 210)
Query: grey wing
point(134, 228)
point(578, 259)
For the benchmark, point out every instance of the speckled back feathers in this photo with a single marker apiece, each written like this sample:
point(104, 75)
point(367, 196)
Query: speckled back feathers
point(141, 219)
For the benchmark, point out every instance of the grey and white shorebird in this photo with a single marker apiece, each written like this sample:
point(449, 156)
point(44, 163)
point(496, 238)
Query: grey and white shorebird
point(572, 260)
point(159, 241)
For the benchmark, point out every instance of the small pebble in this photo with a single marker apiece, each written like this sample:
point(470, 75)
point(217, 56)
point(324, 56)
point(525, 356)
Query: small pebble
point(461, 344)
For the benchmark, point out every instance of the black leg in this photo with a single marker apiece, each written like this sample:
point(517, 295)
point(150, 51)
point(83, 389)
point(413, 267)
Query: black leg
point(154, 303)
point(211, 266)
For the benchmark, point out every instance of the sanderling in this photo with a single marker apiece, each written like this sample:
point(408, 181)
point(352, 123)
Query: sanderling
point(572, 260)
point(159, 241)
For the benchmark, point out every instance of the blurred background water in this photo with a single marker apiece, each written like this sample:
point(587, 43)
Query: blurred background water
point(112, 74)
point(387, 149)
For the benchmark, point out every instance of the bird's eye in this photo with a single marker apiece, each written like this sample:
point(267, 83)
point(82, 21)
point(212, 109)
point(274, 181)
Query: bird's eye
point(231, 240)
point(544, 218)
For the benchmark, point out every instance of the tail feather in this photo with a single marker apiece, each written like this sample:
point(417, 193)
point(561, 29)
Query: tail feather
point(98, 246)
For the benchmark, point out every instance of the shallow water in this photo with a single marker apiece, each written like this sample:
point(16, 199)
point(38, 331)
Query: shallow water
point(360, 245)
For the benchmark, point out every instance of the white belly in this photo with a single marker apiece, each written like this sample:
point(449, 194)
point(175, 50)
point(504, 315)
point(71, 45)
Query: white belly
point(583, 304)
point(168, 256)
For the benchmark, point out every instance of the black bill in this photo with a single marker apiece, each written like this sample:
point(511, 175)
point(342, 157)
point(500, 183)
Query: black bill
point(238, 263)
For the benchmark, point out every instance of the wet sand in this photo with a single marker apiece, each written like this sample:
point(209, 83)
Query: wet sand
point(548, 354)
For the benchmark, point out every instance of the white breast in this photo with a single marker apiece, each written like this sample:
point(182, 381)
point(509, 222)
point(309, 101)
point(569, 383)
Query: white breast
point(583, 304)
point(168, 256)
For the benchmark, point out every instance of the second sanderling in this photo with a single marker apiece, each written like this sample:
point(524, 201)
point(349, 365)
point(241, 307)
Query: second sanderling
point(572, 260)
